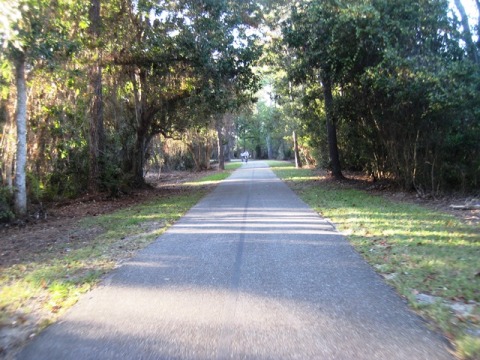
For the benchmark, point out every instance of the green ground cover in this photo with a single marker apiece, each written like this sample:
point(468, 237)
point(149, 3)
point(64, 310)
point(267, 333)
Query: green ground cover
point(59, 275)
point(218, 176)
point(44, 286)
point(417, 250)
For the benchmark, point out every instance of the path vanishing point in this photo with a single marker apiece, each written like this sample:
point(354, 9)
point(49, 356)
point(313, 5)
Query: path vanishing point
point(250, 272)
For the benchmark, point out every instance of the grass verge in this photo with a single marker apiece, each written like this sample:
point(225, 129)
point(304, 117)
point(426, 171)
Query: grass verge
point(35, 291)
point(59, 275)
point(216, 177)
point(431, 258)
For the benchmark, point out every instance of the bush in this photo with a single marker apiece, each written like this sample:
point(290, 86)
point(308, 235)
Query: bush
point(114, 180)
point(68, 178)
point(6, 205)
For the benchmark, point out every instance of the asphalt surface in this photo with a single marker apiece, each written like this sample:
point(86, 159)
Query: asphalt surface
point(251, 272)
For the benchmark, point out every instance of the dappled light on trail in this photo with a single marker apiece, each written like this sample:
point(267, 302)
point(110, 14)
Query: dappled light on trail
point(277, 222)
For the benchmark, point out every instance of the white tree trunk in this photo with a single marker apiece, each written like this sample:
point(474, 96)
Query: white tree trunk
point(221, 147)
point(298, 162)
point(21, 120)
point(269, 147)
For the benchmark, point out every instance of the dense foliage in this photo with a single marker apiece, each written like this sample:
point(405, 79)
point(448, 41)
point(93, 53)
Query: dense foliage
point(406, 97)
point(92, 93)
point(104, 79)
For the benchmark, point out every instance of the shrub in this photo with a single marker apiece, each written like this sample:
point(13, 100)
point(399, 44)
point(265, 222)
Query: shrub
point(6, 204)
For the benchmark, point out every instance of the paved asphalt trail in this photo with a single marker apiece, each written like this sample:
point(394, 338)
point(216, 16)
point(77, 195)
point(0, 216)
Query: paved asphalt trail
point(251, 272)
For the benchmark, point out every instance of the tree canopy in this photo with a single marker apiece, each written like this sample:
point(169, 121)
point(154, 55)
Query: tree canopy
point(91, 90)
point(401, 87)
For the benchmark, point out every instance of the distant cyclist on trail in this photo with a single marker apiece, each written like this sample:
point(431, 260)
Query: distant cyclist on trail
point(245, 155)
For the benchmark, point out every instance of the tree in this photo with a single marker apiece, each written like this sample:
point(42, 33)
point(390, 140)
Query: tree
point(386, 71)
point(310, 32)
point(395, 101)
point(96, 127)
point(16, 53)
point(228, 79)
point(33, 35)
point(21, 120)
point(189, 63)
point(298, 162)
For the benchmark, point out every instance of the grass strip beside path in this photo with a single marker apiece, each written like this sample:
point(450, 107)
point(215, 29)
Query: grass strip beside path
point(430, 257)
point(35, 291)
point(216, 177)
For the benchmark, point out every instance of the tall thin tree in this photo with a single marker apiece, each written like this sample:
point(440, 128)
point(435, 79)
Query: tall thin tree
point(96, 127)
point(21, 120)
point(221, 139)
point(331, 127)
point(298, 162)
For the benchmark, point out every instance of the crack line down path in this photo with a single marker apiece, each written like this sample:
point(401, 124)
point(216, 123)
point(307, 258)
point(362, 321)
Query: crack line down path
point(251, 272)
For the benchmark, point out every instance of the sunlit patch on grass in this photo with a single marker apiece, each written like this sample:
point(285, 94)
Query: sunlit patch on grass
point(216, 177)
point(209, 180)
point(14, 295)
point(470, 347)
point(55, 280)
point(417, 250)
point(233, 165)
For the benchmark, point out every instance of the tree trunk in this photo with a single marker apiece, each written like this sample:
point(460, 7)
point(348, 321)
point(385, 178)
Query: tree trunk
point(467, 34)
point(298, 163)
point(208, 152)
point(96, 135)
point(269, 147)
point(331, 128)
point(20, 205)
point(143, 119)
point(228, 149)
point(221, 148)
point(138, 158)
point(281, 152)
